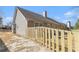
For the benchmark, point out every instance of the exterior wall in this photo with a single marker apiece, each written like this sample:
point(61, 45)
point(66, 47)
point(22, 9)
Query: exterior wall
point(21, 24)
point(37, 23)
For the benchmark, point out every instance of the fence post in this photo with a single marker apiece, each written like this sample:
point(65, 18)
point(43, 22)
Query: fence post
point(35, 34)
point(46, 37)
point(49, 40)
point(69, 41)
point(62, 40)
point(57, 45)
point(50, 37)
point(43, 36)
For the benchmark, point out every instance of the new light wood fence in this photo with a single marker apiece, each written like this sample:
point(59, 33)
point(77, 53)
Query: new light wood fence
point(75, 40)
point(54, 39)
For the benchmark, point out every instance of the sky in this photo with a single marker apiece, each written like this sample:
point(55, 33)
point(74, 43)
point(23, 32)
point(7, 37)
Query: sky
point(59, 13)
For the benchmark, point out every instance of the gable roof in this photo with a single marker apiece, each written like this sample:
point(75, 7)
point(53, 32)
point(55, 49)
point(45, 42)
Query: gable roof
point(30, 14)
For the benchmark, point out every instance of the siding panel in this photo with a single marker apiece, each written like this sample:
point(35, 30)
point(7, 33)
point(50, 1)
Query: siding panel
point(21, 24)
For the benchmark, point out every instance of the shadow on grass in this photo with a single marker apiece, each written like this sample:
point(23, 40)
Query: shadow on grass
point(3, 47)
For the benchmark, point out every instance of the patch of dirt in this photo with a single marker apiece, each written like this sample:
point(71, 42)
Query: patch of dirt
point(20, 44)
point(6, 36)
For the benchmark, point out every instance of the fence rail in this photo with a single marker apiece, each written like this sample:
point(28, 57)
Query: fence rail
point(54, 39)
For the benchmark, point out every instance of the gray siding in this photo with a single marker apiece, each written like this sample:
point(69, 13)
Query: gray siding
point(21, 24)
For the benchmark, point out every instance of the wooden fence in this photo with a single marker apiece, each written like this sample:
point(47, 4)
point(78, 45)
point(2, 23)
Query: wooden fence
point(75, 40)
point(54, 39)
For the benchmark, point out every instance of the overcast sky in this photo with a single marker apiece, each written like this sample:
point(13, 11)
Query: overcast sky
point(58, 13)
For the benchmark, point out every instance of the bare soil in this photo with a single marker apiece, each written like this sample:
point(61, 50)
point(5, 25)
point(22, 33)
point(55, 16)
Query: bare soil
point(20, 44)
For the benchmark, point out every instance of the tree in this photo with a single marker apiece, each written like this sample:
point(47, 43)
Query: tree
point(1, 18)
point(77, 25)
point(1, 23)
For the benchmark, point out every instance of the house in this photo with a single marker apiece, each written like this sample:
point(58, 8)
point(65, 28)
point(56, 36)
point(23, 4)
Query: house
point(25, 18)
